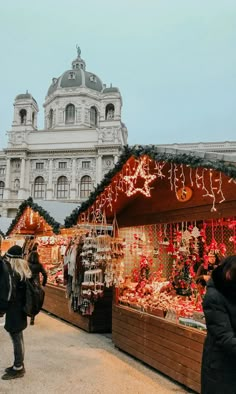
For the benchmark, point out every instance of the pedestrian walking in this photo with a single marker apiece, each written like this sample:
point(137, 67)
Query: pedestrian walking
point(219, 353)
point(15, 318)
point(36, 268)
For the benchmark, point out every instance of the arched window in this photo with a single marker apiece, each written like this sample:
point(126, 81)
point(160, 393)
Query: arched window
point(85, 186)
point(70, 113)
point(50, 118)
point(93, 116)
point(39, 187)
point(2, 185)
point(62, 187)
point(23, 114)
point(110, 111)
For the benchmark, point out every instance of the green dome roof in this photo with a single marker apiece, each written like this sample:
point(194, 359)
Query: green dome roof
point(76, 77)
point(25, 96)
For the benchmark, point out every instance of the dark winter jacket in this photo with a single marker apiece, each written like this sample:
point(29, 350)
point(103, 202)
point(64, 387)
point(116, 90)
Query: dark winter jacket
point(36, 269)
point(219, 353)
point(16, 319)
point(5, 285)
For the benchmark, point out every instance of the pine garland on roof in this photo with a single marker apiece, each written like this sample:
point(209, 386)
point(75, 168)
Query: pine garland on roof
point(155, 153)
point(36, 208)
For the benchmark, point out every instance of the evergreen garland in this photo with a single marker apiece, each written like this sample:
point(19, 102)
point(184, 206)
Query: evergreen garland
point(36, 208)
point(154, 153)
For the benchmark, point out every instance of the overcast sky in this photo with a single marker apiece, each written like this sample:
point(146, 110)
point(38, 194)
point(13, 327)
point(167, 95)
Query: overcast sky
point(174, 61)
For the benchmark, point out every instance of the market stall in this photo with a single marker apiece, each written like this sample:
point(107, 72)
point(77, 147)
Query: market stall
point(176, 213)
point(33, 224)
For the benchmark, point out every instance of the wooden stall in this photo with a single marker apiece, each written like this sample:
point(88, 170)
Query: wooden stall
point(34, 224)
point(151, 190)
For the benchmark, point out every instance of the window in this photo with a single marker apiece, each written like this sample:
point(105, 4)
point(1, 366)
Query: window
point(70, 113)
point(50, 118)
point(39, 166)
point(62, 187)
point(62, 164)
point(93, 116)
point(110, 111)
point(93, 78)
point(85, 186)
point(2, 170)
point(39, 187)
point(85, 164)
point(2, 185)
point(22, 114)
point(33, 118)
point(71, 75)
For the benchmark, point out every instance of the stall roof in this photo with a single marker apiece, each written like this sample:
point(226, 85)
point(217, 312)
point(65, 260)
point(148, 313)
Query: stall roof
point(52, 214)
point(221, 162)
point(4, 224)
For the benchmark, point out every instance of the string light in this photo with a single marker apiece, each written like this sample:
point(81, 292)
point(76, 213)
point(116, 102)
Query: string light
point(220, 191)
point(159, 167)
point(204, 186)
point(190, 176)
point(140, 172)
point(170, 177)
point(213, 209)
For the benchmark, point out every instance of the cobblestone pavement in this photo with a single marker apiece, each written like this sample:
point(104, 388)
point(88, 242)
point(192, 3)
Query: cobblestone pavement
point(62, 359)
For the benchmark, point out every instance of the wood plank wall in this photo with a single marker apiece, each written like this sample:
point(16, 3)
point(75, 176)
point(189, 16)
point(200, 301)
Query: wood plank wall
point(56, 303)
point(170, 348)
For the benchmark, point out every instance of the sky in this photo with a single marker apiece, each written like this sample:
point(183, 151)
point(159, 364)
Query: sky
point(174, 61)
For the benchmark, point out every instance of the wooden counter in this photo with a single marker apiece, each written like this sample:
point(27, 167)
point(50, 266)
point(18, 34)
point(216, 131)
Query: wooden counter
point(56, 303)
point(172, 349)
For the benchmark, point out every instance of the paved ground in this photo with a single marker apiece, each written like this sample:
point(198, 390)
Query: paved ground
point(63, 359)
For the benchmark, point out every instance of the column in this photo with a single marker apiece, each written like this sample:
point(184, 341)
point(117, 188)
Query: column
point(6, 193)
point(49, 194)
point(99, 169)
point(73, 184)
point(21, 194)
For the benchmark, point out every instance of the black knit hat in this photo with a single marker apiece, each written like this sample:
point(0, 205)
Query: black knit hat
point(15, 252)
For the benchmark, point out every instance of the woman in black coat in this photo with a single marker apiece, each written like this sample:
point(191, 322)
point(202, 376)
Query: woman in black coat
point(219, 353)
point(16, 319)
point(36, 268)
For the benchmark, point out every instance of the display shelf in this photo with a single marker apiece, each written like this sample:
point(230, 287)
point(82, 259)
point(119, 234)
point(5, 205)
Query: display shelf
point(166, 346)
point(57, 304)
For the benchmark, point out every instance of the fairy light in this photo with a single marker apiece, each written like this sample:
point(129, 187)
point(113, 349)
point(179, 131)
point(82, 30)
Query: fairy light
point(182, 176)
point(220, 191)
point(191, 175)
point(232, 180)
point(170, 177)
point(175, 179)
point(159, 167)
point(213, 208)
point(140, 172)
point(198, 178)
point(204, 186)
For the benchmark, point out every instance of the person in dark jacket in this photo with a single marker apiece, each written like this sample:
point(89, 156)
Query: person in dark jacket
point(218, 375)
point(16, 319)
point(36, 268)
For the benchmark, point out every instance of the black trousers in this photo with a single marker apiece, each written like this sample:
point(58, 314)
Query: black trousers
point(18, 347)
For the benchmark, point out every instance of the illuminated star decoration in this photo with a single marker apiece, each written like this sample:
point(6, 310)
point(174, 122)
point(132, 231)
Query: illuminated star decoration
point(142, 171)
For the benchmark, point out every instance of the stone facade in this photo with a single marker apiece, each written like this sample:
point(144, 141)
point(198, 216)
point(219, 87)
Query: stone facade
point(82, 139)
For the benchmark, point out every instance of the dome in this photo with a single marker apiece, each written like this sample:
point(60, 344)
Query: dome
point(25, 96)
point(76, 77)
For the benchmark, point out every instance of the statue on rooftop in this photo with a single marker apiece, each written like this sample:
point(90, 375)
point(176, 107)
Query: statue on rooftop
point(78, 50)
